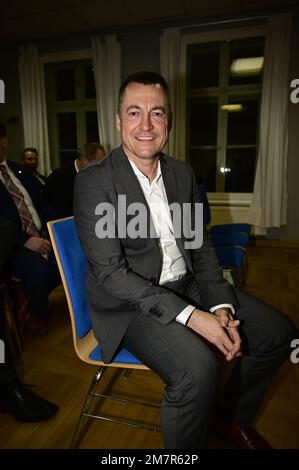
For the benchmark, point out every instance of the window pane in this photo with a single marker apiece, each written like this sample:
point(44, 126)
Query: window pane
point(203, 123)
point(245, 72)
point(203, 163)
point(203, 60)
point(92, 130)
point(241, 163)
point(67, 130)
point(65, 85)
point(242, 125)
point(90, 89)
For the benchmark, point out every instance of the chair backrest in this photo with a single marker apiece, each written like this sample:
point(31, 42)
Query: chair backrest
point(230, 238)
point(228, 228)
point(230, 256)
point(72, 268)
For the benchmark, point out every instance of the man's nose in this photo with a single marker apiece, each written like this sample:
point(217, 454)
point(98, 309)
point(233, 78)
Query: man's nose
point(146, 122)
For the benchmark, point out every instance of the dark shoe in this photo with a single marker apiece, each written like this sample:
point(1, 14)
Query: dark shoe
point(239, 437)
point(24, 405)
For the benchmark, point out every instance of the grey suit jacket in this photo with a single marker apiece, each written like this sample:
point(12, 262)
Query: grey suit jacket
point(122, 273)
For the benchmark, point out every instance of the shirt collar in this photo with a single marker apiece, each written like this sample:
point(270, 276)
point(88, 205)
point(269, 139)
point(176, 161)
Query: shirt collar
point(76, 166)
point(139, 173)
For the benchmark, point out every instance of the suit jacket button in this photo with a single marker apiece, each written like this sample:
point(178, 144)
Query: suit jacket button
point(153, 280)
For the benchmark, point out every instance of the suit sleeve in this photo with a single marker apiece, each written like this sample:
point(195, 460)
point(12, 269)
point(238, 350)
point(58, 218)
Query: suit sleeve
point(107, 260)
point(213, 288)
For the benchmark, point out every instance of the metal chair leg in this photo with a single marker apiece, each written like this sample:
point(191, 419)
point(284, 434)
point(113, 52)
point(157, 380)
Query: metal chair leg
point(88, 400)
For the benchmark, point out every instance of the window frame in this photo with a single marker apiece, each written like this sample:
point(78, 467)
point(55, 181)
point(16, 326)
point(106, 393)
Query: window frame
point(215, 198)
point(57, 60)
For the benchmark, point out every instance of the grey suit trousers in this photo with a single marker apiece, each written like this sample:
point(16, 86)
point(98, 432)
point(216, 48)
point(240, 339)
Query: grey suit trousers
point(190, 369)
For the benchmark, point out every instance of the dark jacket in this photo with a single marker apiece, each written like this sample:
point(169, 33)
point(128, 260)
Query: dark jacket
point(8, 209)
point(123, 273)
point(59, 189)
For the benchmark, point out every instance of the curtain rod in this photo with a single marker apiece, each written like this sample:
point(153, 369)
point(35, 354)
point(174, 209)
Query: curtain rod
point(236, 20)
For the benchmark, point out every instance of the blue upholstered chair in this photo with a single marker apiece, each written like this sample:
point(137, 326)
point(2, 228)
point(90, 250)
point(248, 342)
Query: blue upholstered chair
point(231, 248)
point(230, 242)
point(71, 262)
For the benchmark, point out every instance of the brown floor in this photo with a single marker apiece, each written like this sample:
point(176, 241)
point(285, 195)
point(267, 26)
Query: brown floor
point(51, 367)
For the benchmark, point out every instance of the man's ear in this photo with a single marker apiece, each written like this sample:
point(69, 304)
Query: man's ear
point(117, 121)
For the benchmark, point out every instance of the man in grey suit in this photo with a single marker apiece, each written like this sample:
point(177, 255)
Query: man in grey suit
point(162, 296)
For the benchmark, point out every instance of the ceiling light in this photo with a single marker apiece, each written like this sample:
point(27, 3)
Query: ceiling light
point(232, 108)
point(246, 67)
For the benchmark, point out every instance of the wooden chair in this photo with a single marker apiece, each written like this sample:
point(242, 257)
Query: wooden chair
point(71, 262)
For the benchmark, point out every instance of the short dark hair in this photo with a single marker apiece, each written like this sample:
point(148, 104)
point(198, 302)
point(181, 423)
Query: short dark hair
point(2, 131)
point(90, 149)
point(29, 149)
point(145, 78)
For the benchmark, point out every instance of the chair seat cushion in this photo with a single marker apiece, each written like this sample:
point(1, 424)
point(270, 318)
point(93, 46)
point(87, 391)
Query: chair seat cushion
point(122, 356)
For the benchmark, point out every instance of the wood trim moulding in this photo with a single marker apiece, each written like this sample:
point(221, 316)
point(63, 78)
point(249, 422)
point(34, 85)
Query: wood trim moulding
point(267, 243)
point(65, 56)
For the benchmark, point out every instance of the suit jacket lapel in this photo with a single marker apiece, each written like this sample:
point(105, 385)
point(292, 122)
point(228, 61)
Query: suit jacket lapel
point(129, 185)
point(127, 178)
point(171, 187)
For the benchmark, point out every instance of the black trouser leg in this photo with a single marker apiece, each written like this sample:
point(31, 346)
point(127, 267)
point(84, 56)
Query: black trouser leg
point(267, 335)
point(39, 278)
point(189, 369)
point(7, 371)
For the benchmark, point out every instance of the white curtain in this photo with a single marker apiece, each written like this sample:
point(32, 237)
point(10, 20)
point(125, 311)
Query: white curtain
point(106, 62)
point(34, 109)
point(269, 203)
point(170, 45)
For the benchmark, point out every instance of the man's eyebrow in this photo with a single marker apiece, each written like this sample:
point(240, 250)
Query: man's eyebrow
point(154, 108)
point(133, 106)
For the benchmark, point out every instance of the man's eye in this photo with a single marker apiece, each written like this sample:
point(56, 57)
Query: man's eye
point(133, 113)
point(158, 114)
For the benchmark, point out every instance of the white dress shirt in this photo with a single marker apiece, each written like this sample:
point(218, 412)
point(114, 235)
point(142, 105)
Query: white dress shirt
point(27, 198)
point(173, 263)
point(76, 166)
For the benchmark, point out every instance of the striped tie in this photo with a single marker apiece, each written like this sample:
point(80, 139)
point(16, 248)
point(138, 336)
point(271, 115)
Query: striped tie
point(18, 198)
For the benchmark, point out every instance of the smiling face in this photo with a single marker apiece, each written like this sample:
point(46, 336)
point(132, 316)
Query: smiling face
point(143, 121)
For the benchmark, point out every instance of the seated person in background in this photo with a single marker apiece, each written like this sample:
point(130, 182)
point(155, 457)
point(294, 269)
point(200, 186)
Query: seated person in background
point(162, 296)
point(15, 398)
point(30, 160)
point(33, 262)
point(60, 183)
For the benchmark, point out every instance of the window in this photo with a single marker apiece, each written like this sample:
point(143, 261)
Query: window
point(223, 93)
point(71, 102)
